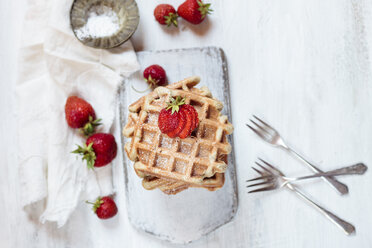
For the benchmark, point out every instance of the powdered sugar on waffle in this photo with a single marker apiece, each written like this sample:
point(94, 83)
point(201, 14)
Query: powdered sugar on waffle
point(188, 160)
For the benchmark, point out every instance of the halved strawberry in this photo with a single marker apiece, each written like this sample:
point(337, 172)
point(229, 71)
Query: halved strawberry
point(186, 131)
point(167, 121)
point(189, 108)
point(181, 124)
point(195, 119)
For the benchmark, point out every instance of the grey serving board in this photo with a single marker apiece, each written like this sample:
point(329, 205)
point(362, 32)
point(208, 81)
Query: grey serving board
point(190, 214)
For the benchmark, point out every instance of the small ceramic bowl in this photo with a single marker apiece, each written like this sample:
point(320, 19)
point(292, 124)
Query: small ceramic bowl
point(123, 14)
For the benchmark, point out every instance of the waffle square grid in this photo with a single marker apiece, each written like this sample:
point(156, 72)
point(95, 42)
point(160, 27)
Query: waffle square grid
point(185, 162)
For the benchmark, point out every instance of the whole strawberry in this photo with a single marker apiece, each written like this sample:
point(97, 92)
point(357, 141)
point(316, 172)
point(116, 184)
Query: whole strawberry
point(80, 114)
point(155, 75)
point(194, 11)
point(165, 14)
point(99, 150)
point(104, 207)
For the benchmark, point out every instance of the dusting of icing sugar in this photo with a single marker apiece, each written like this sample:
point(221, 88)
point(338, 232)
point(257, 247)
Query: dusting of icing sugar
point(203, 152)
point(166, 142)
point(148, 137)
point(161, 162)
point(144, 156)
point(180, 166)
point(102, 21)
point(185, 148)
point(152, 118)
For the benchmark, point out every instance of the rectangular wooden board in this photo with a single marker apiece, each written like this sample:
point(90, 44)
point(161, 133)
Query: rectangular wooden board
point(195, 212)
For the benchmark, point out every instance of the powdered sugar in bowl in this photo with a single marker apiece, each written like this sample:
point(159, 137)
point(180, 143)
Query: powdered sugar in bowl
point(104, 23)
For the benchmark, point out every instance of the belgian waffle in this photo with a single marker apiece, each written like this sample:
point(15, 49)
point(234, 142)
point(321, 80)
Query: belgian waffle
point(167, 186)
point(175, 163)
point(173, 187)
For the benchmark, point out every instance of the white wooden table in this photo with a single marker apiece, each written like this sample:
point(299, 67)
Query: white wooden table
point(304, 66)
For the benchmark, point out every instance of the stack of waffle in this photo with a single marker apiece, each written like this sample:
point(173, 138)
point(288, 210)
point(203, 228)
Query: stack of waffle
point(173, 164)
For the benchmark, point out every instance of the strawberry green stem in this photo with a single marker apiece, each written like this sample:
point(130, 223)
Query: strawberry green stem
point(96, 204)
point(152, 81)
point(171, 19)
point(152, 84)
point(88, 154)
point(175, 104)
point(204, 8)
point(141, 91)
point(90, 127)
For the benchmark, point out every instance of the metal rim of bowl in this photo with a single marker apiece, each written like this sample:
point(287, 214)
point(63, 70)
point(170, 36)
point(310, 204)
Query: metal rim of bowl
point(108, 47)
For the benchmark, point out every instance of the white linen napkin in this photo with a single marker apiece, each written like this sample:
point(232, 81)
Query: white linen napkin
point(54, 65)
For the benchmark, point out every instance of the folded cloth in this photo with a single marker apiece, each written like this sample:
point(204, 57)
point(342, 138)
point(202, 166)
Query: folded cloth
point(53, 66)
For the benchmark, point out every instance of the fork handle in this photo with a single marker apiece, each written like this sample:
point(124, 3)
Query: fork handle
point(344, 225)
point(356, 169)
point(340, 187)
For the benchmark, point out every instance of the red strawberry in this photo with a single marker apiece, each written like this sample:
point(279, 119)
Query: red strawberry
point(80, 114)
point(104, 207)
point(181, 125)
point(194, 116)
point(194, 11)
point(178, 119)
point(170, 120)
point(196, 120)
point(155, 75)
point(166, 121)
point(99, 150)
point(165, 14)
point(186, 131)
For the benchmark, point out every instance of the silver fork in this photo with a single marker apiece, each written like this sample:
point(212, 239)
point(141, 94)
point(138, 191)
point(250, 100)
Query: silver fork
point(272, 178)
point(344, 225)
point(270, 135)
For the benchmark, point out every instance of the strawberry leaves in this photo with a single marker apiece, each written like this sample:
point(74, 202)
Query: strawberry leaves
point(204, 9)
point(175, 104)
point(152, 81)
point(90, 127)
point(88, 154)
point(96, 204)
point(170, 19)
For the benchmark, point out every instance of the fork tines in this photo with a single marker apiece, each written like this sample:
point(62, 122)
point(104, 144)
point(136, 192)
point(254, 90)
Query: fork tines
point(262, 129)
point(268, 175)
